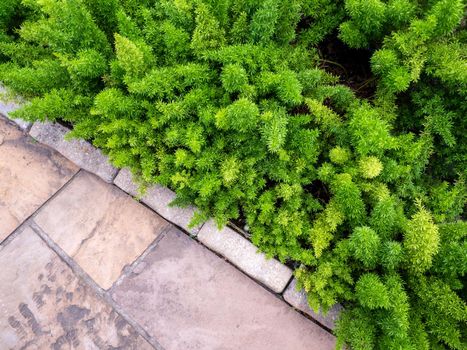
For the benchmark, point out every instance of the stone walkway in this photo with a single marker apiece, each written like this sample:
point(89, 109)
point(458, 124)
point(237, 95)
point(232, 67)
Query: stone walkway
point(85, 266)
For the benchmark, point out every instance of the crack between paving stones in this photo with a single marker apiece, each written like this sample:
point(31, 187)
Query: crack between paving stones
point(127, 270)
point(304, 314)
point(91, 235)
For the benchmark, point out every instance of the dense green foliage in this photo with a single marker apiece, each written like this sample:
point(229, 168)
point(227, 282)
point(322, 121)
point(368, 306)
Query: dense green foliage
point(418, 42)
point(224, 103)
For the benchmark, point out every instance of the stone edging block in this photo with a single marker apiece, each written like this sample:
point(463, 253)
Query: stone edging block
point(299, 300)
point(243, 254)
point(80, 152)
point(7, 107)
point(158, 198)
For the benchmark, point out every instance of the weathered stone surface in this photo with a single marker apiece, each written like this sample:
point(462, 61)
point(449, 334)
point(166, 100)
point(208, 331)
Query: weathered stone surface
point(43, 305)
point(243, 254)
point(189, 298)
point(158, 198)
point(124, 180)
point(7, 106)
point(80, 152)
point(29, 174)
point(298, 300)
point(100, 227)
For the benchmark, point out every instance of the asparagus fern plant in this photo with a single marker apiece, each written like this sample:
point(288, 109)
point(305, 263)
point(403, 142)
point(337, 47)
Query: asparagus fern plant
point(224, 102)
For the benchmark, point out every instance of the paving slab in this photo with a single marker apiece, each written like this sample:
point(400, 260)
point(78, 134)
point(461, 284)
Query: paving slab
point(99, 226)
point(158, 198)
point(80, 152)
point(243, 254)
point(43, 305)
point(298, 299)
point(29, 175)
point(188, 298)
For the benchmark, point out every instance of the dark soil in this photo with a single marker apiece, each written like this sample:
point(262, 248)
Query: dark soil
point(352, 66)
point(65, 123)
point(319, 190)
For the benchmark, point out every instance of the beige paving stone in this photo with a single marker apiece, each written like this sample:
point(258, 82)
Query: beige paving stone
point(43, 305)
point(299, 300)
point(189, 298)
point(29, 175)
point(99, 226)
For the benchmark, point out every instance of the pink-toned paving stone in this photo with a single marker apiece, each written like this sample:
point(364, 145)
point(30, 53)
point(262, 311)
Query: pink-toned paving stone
point(189, 298)
point(30, 174)
point(99, 226)
point(43, 305)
